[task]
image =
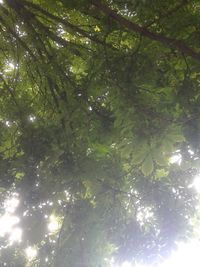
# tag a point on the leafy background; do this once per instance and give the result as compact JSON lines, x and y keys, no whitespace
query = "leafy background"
{"x":96,"y":99}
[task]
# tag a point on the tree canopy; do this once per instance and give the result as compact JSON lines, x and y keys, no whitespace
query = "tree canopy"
{"x":100,"y":129}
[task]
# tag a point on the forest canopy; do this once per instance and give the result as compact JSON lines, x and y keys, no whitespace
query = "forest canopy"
{"x":99,"y":131}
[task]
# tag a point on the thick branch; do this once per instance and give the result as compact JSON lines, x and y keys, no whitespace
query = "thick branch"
{"x":172,"y":43}
{"x":66,"y":23}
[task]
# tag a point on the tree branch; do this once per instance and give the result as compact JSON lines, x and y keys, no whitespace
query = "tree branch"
{"x":169,"y":42}
{"x":66,"y":23}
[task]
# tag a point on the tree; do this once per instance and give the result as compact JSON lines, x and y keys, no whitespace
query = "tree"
{"x":97,"y":98}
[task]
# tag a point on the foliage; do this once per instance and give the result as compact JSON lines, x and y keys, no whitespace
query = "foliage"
{"x":96,"y":97}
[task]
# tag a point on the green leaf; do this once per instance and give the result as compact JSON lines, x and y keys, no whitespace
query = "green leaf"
{"x":161,"y":173}
{"x":126,"y":151}
{"x":147,"y":165}
{"x":2,"y":189}
{"x":161,"y":160}
{"x":176,"y":138}
{"x":140,"y":153}
{"x":158,"y":157}
{"x":175,"y":134}
{"x":19,"y":175}
{"x":100,"y":149}
{"x":195,"y":163}
{"x":167,"y":145}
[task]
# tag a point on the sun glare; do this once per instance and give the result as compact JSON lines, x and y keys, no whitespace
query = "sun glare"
{"x":31,"y":253}
{"x":53,"y":225}
{"x":144,"y":215}
{"x":185,"y":256}
{"x":11,"y":204}
{"x":196,"y":183}
{"x":176,"y":159}
{"x":8,"y":221}
{"x":10,"y":66}
{"x":32,"y":118}
{"x":126,"y":264}
{"x":7,"y":224}
{"x":15,"y":235}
